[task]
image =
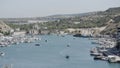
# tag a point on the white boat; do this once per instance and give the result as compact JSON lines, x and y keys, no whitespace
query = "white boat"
{"x":2,"y":53}
{"x":96,"y":54}
{"x":104,"y":58}
{"x":113,"y":58}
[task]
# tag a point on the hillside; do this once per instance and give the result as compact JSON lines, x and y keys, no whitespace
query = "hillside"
{"x":109,"y":18}
{"x":112,"y":26}
{"x":113,"y":22}
{"x":4,"y":28}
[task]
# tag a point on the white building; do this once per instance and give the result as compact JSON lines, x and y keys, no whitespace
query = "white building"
{"x":20,"y":33}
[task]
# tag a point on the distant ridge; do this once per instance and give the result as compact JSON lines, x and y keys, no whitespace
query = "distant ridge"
{"x":116,"y":9}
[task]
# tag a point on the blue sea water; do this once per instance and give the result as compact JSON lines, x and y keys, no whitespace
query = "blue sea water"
{"x":51,"y":54}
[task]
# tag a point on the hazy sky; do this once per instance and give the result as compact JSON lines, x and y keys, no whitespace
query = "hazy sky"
{"x":33,"y":8}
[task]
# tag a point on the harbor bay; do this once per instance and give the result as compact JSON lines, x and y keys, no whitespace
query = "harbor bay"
{"x":52,"y":52}
{"x":59,"y":34}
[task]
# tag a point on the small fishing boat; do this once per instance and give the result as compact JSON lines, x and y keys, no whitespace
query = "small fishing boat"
{"x":45,"y":40}
{"x":68,"y":45}
{"x":37,"y":44}
{"x":98,"y":57}
{"x":2,"y":53}
{"x":67,"y":57}
{"x":96,"y":54}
